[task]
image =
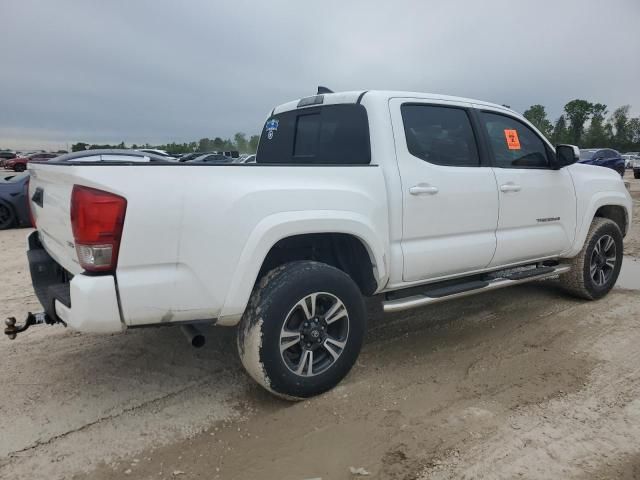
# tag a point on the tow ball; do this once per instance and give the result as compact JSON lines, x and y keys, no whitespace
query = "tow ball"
{"x":12,"y":330}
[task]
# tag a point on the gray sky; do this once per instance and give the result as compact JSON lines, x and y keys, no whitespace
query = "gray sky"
{"x":158,"y":70}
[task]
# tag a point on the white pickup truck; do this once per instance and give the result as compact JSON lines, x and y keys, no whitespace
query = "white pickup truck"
{"x":418,"y":198}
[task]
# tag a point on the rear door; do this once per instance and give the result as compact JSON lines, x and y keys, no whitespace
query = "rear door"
{"x":450,"y":200}
{"x":537,"y":204}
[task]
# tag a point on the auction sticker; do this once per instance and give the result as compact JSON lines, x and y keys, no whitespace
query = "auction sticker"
{"x":513,"y":142}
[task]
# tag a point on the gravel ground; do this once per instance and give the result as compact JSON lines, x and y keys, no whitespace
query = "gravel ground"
{"x":518,"y":383}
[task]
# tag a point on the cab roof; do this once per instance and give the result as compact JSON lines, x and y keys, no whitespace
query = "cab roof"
{"x":359,"y":96}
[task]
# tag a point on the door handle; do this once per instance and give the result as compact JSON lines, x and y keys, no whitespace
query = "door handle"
{"x":510,"y":187}
{"x":423,"y":189}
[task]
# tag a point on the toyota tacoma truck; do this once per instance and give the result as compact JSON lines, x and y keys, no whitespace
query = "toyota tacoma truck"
{"x":417,"y":198}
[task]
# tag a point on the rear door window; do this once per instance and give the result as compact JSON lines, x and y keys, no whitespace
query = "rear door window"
{"x":440,"y":135}
{"x":327,"y":135}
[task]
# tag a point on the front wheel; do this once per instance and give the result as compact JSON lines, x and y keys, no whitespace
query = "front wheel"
{"x":302,"y":330}
{"x":20,"y":167}
{"x":636,"y":174}
{"x":595,"y":269}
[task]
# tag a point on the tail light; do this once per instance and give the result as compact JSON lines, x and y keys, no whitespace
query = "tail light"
{"x":97,"y":218}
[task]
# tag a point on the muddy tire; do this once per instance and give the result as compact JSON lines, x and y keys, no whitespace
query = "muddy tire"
{"x":595,"y":269}
{"x":302,"y":330}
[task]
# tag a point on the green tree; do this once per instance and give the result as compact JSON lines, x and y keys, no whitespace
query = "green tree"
{"x":577,"y":112}
{"x":228,"y":145}
{"x":253,"y":143}
{"x":622,"y":138}
{"x":536,"y":114}
{"x":79,"y":147}
{"x":596,"y":134}
{"x":218,"y":143}
{"x":204,"y":145}
{"x":634,"y":131}
{"x":560,"y":133}
{"x":240,"y":140}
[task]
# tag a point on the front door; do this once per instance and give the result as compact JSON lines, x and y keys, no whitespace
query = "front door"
{"x":450,"y":201}
{"x":537,"y":204}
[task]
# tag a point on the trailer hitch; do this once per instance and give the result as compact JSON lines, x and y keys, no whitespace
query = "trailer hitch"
{"x":12,"y":330}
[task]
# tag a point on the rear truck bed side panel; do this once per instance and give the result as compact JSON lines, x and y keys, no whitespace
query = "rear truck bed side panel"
{"x":194,"y":237}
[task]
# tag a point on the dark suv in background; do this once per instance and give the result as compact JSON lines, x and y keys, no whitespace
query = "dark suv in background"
{"x":603,"y":157}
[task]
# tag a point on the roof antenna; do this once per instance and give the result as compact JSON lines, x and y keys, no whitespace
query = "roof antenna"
{"x":322,"y":90}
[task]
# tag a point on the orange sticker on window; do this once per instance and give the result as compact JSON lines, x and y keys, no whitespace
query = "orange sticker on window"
{"x":513,"y":142}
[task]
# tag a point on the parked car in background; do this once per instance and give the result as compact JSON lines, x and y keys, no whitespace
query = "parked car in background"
{"x":630,"y":158}
{"x":14,"y":208}
{"x":246,"y":159}
{"x":212,"y":158}
{"x":19,"y":164}
{"x":192,"y":156}
{"x":155,"y":151}
{"x":636,"y":168}
{"x":6,"y":155}
{"x":603,"y":157}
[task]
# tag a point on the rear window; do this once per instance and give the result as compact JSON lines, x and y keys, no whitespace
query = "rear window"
{"x":327,"y":135}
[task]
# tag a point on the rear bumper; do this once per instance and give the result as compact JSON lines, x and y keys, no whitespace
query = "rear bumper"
{"x":84,"y":303}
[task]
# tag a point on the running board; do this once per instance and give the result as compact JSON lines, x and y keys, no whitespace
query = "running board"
{"x":429,"y":297}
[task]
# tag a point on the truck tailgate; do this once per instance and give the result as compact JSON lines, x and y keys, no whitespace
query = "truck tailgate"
{"x":50,"y":190}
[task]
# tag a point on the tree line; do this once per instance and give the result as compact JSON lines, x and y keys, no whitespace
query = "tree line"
{"x":587,"y":125}
{"x":240,"y":143}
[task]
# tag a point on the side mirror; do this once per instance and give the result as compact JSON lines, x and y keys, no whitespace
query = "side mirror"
{"x":566,"y":155}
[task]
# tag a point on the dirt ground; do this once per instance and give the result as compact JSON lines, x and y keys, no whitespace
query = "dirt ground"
{"x":518,"y":383}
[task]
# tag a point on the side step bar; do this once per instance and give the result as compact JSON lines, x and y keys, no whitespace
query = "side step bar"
{"x":437,"y":295}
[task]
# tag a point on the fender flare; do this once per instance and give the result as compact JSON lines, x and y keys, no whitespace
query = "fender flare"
{"x":600,"y":199}
{"x":276,"y":227}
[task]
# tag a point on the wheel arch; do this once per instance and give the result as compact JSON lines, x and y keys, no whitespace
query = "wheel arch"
{"x":617,"y":213}
{"x":305,"y":235}
{"x":615,"y":206}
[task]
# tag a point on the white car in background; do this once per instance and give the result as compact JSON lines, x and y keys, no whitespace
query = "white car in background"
{"x":155,"y":151}
{"x":630,"y":158}
{"x":246,"y":159}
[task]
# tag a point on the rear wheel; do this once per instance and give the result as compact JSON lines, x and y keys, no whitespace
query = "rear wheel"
{"x":20,"y":167}
{"x":7,"y":215}
{"x":596,"y":268}
{"x":636,"y":174}
{"x":302,"y":330}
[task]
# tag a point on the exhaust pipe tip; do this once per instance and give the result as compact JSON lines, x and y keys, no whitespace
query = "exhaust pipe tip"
{"x":194,"y":336}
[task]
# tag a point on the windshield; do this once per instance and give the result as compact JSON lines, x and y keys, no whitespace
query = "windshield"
{"x":587,"y":154}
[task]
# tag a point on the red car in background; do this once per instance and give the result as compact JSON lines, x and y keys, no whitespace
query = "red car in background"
{"x":19,"y":164}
